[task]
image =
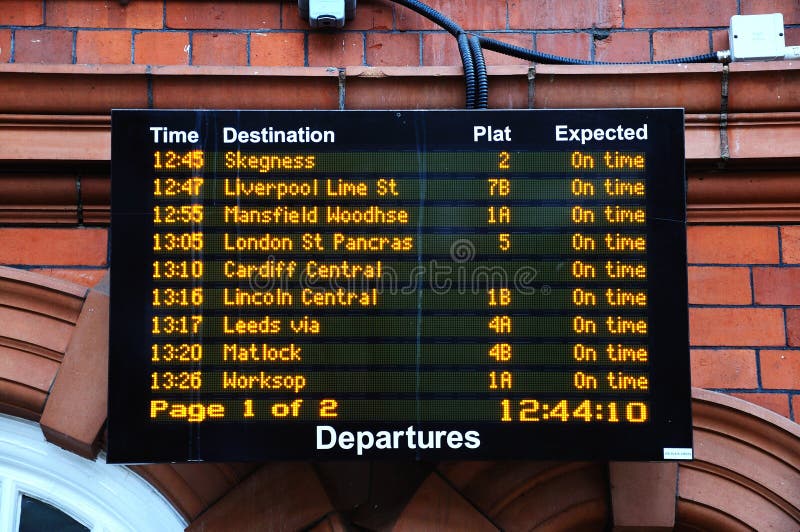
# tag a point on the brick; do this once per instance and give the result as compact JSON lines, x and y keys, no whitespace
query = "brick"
{"x":43,"y":46}
{"x":83,"y":277}
{"x":728,"y":368}
{"x":696,"y":14}
{"x":247,"y":92}
{"x":718,"y":285}
{"x":98,"y":47}
{"x":441,"y":49}
{"x":777,"y":402}
{"x":524,"y":40}
{"x":470,"y":15}
{"x":557,"y":14}
{"x":277,"y":49}
{"x":789,"y":8}
{"x":793,"y":326}
{"x":294,"y":487}
{"x":76,"y":407}
{"x":573,"y":45}
{"x":219,"y":49}
{"x":777,"y":286}
{"x":423,"y":511}
{"x":780,"y":369}
{"x":370,"y":15}
{"x":631,"y":483}
{"x":674,"y":44}
{"x":732,"y":244}
{"x":790,"y":244}
{"x":736,"y":327}
{"x":223,"y":15}
{"x":796,"y":407}
{"x":142,"y":14}
{"x":27,"y":369}
{"x":393,"y":49}
{"x":53,"y":247}
{"x":335,"y":49}
{"x":792,"y":36}
{"x":5,"y":46}
{"x":719,"y":40}
{"x":409,"y":92}
{"x":627,"y":47}
{"x":22,"y":13}
{"x":161,"y":48}
{"x":290,"y":16}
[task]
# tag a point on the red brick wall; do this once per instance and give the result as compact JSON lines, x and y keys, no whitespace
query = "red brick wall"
{"x":77,"y":254}
{"x":270,"y":32}
{"x":744,"y":279}
{"x":744,"y":290}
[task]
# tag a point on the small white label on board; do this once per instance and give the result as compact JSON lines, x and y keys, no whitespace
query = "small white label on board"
{"x":677,"y":453}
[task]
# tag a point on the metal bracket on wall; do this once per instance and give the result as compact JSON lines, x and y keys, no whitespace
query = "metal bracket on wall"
{"x":724,"y":148}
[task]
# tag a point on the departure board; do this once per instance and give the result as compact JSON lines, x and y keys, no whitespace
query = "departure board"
{"x":398,"y":284}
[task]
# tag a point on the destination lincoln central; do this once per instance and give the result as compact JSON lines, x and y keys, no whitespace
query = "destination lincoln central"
{"x":398,"y":284}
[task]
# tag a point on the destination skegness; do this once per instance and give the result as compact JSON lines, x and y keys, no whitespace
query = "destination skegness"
{"x":283,"y":162}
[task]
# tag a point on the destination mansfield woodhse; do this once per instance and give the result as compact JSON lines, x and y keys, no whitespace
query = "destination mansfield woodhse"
{"x":385,"y":284}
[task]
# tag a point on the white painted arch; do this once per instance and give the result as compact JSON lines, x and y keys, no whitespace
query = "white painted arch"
{"x":101,"y":496}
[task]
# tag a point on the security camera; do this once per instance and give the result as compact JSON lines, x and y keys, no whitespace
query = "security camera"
{"x":327,"y":13}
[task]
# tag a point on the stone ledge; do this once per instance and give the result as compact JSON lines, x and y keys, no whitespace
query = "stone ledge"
{"x":60,"y":114}
{"x":82,"y":89}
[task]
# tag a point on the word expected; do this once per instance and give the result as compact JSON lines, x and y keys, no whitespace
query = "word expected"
{"x":564,"y":133}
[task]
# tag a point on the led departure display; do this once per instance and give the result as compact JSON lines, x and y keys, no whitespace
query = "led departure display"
{"x":398,"y":284}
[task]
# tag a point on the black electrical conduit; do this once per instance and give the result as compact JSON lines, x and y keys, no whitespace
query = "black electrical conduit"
{"x":464,"y":46}
{"x":471,"y":52}
{"x":469,"y":68}
{"x":540,"y":57}
{"x":481,"y":79}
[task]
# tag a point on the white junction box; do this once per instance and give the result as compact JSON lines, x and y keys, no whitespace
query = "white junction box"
{"x":757,"y":37}
{"x":327,"y":13}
